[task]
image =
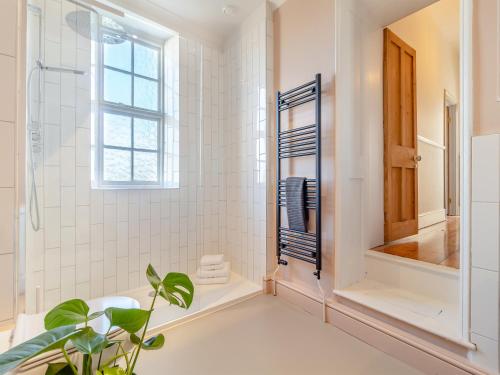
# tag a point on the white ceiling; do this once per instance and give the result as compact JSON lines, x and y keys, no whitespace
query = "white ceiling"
{"x":393,"y":10}
{"x":206,"y":19}
{"x":208,"y":15}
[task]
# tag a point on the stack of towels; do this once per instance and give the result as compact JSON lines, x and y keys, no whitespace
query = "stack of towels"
{"x":213,"y":270}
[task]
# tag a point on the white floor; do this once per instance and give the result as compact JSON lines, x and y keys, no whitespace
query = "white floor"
{"x":265,"y":335}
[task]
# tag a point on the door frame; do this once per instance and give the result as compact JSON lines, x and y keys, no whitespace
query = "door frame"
{"x":348,"y":262}
{"x":448,"y":101}
{"x":465,"y":118}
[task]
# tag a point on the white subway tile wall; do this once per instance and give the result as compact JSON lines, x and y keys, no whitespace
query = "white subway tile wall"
{"x":215,"y":145}
{"x":485,"y":234}
{"x":8,"y":207}
{"x":245,"y":146}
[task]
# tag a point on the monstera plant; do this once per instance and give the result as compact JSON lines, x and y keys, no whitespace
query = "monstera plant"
{"x":68,"y":326}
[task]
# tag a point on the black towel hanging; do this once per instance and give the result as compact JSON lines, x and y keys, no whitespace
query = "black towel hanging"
{"x":296,"y":211}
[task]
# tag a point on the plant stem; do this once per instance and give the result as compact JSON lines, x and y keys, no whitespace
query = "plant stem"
{"x":68,"y":360}
{"x":100,"y":354}
{"x":125,"y":355}
{"x":131,"y":369}
{"x":109,"y":361}
{"x":89,"y":364}
{"x":116,"y":353}
{"x":85,"y":364}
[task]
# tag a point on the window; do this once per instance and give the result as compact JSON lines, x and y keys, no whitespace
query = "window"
{"x":130,"y":125}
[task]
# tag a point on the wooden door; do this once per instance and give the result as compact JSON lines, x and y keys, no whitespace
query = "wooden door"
{"x":400,"y":139}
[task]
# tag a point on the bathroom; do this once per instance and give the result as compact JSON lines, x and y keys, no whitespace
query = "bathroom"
{"x":153,"y":132}
{"x":91,"y":219}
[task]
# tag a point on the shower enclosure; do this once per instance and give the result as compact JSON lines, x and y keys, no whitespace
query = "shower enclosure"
{"x":58,"y":101}
{"x":88,"y":240}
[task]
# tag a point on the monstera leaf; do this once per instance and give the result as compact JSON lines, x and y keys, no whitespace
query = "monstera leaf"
{"x":74,"y":311}
{"x":47,"y":341}
{"x":153,"y":277}
{"x":153,"y":343}
{"x":87,"y":341}
{"x":177,"y":289}
{"x":130,"y":320}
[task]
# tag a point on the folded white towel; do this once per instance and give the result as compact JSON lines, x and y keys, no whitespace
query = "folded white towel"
{"x":212,"y":280}
{"x":212,"y":267}
{"x":207,"y":260}
{"x":224,"y":272}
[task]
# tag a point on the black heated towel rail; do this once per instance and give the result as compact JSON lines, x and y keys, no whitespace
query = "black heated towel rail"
{"x":297,"y":142}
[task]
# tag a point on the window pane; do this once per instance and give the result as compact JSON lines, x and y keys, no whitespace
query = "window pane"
{"x":117,"y":87}
{"x":145,"y":61}
{"x":116,"y":165}
{"x":118,"y":55}
{"x":145,"y":94}
{"x":145,"y":166}
{"x":145,"y":134}
{"x":117,"y":130}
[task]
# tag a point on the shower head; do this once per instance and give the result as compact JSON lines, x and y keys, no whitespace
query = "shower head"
{"x":59,"y":69}
{"x":84,"y":23}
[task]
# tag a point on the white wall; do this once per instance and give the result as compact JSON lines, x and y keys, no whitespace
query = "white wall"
{"x":359,"y":140}
{"x":8,"y":187}
{"x":245,"y":144}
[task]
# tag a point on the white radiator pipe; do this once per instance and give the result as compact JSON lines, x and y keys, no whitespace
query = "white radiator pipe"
{"x":323,"y":297}
{"x":274,"y":279}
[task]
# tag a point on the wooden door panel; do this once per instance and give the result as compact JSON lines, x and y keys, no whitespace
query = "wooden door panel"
{"x":402,"y":157}
{"x":400,"y":139}
{"x":394,"y":88}
{"x":408,"y":117}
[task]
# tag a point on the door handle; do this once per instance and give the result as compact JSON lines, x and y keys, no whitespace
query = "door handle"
{"x":416,"y":159}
